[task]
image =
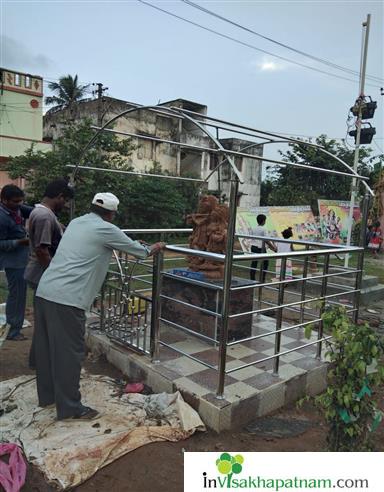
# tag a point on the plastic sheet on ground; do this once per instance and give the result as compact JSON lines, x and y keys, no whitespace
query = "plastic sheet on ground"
{"x":71,"y":451}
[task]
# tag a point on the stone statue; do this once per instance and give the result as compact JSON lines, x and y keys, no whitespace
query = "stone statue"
{"x":210,"y":225}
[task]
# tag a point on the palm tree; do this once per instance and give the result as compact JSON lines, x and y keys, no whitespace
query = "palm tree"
{"x":66,"y":92}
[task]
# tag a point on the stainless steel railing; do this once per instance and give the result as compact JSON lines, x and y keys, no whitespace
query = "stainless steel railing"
{"x":141,"y":329}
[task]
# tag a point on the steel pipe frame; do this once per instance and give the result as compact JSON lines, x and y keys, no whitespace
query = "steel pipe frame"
{"x":294,"y":280}
{"x":156,"y":306}
{"x":229,"y":257}
{"x":293,"y":241}
{"x":289,"y":140}
{"x":271,"y":333}
{"x":227,"y":284}
{"x":169,"y":112}
{"x":322,"y":308}
{"x":256,"y":256}
{"x":279,"y":317}
{"x":296,"y":303}
{"x":217,"y":151}
{"x":134,"y":173}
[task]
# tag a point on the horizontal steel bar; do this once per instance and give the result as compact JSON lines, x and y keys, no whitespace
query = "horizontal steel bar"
{"x":134,"y":173}
{"x":277,"y":355}
{"x":196,"y":252}
{"x":188,"y":330}
{"x":294,"y":280}
{"x":292,"y":309}
{"x":293,"y":140}
{"x":155,"y":231}
{"x":198,"y":308}
{"x":187,"y":355}
{"x":160,"y":140}
{"x":271,"y":333}
{"x":290,"y":254}
{"x":290,"y":241}
{"x":296,"y":303}
{"x":145,"y":282}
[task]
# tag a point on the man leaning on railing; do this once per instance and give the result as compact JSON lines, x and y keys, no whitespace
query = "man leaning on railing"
{"x":65,"y":292}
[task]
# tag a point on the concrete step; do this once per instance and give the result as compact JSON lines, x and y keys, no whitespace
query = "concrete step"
{"x":372,"y":294}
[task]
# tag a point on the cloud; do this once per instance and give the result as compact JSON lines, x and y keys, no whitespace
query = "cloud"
{"x":17,"y":56}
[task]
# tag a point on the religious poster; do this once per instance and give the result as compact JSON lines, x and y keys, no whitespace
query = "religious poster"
{"x":334,"y":220}
{"x":300,"y":218}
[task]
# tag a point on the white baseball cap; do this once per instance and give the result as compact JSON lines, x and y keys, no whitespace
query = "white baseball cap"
{"x":106,"y":200}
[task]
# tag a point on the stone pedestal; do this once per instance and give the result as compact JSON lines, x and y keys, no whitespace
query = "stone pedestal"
{"x":207,"y":297}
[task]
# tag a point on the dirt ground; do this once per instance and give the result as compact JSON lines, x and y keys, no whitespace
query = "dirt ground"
{"x":159,"y":466}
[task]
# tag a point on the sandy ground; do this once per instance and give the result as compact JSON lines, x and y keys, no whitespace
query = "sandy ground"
{"x":159,"y":466}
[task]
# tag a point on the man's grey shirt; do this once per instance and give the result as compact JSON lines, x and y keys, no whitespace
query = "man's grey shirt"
{"x":44,"y":230}
{"x":78,"y":269}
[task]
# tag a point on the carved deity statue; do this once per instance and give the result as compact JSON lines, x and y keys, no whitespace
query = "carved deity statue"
{"x":210,"y":225}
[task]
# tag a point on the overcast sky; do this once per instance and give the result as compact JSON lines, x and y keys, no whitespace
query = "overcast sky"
{"x":146,"y":56}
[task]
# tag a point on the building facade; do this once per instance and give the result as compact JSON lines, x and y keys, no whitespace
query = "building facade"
{"x":21,"y":117}
{"x":178,"y":160}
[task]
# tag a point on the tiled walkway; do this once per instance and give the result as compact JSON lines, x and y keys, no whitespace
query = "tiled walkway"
{"x":238,"y":384}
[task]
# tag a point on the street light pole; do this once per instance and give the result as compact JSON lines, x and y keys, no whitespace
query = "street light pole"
{"x":354,"y":187}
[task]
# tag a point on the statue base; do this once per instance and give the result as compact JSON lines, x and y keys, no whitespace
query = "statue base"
{"x":207,"y":297}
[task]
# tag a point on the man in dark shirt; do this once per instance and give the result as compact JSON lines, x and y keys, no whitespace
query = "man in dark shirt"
{"x":45,"y":233}
{"x":44,"y":229}
{"x":14,"y":255}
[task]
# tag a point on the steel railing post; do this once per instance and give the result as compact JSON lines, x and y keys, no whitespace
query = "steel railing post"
{"x":158,"y":261}
{"x":322,"y":307}
{"x":279,"y":315}
{"x":227,"y":284}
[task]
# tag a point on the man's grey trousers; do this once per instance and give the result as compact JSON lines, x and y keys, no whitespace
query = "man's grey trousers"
{"x":59,"y":352}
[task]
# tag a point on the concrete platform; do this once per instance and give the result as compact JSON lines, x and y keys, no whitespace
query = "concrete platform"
{"x":250,"y":392}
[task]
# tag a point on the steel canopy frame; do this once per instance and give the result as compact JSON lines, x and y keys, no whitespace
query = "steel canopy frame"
{"x":235,"y":178}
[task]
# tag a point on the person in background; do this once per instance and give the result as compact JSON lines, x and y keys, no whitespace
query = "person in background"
{"x":258,"y":246}
{"x":284,"y":248}
{"x":14,"y":256}
{"x":45,"y":233}
{"x":375,"y":240}
{"x":65,"y":292}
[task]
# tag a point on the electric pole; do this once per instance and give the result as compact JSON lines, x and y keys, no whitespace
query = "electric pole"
{"x":99,"y":93}
{"x":360,"y":100}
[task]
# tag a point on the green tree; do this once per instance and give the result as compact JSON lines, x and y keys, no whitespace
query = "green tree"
{"x":145,"y":202}
{"x":67,"y":92}
{"x":294,"y":186}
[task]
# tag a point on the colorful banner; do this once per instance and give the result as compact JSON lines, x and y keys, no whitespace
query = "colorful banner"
{"x":300,"y":218}
{"x":334,"y":220}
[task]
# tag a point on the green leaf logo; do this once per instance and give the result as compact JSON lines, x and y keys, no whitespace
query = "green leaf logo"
{"x":229,"y":465}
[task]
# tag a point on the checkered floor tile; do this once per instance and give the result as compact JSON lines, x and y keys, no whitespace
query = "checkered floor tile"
{"x":248,"y":378}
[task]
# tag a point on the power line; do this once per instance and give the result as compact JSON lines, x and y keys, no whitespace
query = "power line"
{"x":249,"y":45}
{"x":295,"y":50}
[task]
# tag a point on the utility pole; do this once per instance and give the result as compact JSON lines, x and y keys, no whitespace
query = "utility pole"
{"x":99,"y":92}
{"x":354,"y":187}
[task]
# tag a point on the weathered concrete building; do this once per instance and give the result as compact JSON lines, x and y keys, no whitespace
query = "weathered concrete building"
{"x":21,"y":117}
{"x":177,"y":160}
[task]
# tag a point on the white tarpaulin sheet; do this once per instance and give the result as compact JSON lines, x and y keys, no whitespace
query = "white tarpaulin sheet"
{"x":71,"y":451}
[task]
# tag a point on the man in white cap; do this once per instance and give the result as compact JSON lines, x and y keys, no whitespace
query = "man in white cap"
{"x":65,"y":292}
